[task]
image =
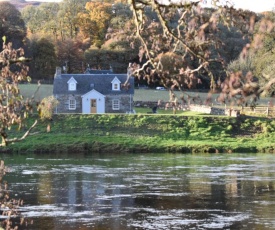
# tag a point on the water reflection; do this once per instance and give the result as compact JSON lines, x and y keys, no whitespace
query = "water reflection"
{"x":152,"y":191}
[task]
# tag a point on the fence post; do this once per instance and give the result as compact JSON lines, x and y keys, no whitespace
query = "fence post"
{"x":2,"y":172}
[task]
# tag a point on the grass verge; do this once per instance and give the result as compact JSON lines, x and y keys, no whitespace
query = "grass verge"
{"x":139,"y":133}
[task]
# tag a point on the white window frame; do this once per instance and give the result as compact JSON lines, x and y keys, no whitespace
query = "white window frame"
{"x":116,"y":104}
{"x":116,"y":84}
{"x":72,"y":86}
{"x":72,"y":104}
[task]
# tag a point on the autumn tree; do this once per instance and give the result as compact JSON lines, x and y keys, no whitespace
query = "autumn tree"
{"x":185,"y":42}
{"x":42,"y":19}
{"x":70,"y":55}
{"x":115,"y":50}
{"x":255,"y":64}
{"x":12,"y":25}
{"x":263,"y":53}
{"x":44,"y":59}
{"x":120,"y":27}
{"x":13,"y":108}
{"x":95,"y":22}
{"x":55,"y":20}
{"x":29,"y":14}
{"x":68,"y":17}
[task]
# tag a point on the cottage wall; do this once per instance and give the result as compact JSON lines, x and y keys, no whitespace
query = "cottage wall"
{"x":126,"y":103}
{"x":63,"y":106}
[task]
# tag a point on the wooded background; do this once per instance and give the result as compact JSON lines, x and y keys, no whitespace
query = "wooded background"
{"x":77,"y":34}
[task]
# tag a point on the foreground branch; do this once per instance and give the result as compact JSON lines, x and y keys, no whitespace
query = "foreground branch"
{"x":7,"y":141}
{"x":15,"y":60}
{"x":266,"y":87}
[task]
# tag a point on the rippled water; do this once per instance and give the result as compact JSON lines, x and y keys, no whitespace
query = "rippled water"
{"x":150,"y":191}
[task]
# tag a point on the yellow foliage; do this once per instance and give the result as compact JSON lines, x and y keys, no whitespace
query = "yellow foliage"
{"x":46,"y":107}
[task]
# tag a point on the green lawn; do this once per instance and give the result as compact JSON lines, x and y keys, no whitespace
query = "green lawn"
{"x":28,"y":91}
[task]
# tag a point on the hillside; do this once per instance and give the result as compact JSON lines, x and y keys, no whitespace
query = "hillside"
{"x":143,"y":133}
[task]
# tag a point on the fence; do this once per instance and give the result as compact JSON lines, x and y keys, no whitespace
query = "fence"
{"x":257,"y":111}
{"x":260,"y":110}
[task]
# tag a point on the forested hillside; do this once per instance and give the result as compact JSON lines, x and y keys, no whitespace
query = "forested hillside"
{"x":77,"y":34}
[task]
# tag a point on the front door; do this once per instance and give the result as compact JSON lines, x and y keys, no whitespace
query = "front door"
{"x":93,"y":105}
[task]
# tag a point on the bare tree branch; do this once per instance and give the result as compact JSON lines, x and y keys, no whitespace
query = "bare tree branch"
{"x":12,"y":140}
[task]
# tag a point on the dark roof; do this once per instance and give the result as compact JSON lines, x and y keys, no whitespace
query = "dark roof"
{"x":87,"y":82}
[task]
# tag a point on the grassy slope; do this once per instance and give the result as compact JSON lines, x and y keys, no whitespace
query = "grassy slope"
{"x":150,"y":133}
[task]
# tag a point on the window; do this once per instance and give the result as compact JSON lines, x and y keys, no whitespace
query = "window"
{"x":72,"y":86}
{"x":116,"y":104}
{"x":116,"y":87}
{"x":116,"y":84}
{"x":72,"y":104}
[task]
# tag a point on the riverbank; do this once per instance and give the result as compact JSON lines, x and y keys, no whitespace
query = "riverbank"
{"x":141,"y":133}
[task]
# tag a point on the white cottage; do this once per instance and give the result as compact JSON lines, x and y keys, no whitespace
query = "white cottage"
{"x":99,"y":92}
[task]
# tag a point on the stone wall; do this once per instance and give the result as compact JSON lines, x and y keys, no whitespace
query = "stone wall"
{"x":63,"y":106}
{"x":200,"y":109}
{"x":208,"y":109}
{"x":192,"y":107}
{"x":145,"y":104}
{"x":126,"y":104}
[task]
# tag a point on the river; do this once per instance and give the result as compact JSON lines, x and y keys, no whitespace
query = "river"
{"x":144,"y":191}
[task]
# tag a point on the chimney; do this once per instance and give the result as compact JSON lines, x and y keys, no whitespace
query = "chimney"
{"x":57,"y":72}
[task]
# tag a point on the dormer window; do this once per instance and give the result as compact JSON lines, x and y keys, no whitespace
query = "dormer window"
{"x":72,"y":84}
{"x":116,"y":84}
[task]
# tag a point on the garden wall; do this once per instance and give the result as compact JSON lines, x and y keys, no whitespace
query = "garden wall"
{"x":191,"y":107}
{"x":214,"y":110}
